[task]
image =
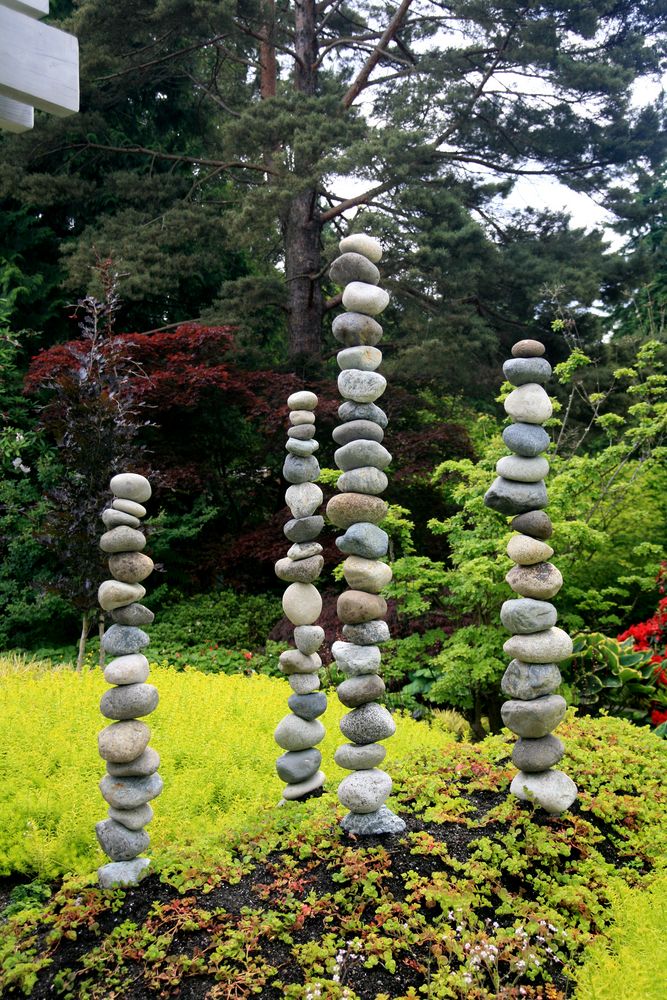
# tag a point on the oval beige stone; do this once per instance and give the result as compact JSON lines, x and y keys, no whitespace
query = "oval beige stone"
{"x":368,"y":246}
{"x":349,"y":508}
{"x":122,"y":539}
{"x":114,"y":594}
{"x":122,"y":742}
{"x":130,"y":669}
{"x":550,"y":646}
{"x":292,"y":661}
{"x":370,"y":575}
{"x":130,"y":486}
{"x":129,"y":507}
{"x":355,"y":607}
{"x":299,"y":417}
{"x":541,"y":581}
{"x":302,"y":603}
{"x":302,"y":400}
{"x":130,"y":567}
{"x":529,"y":404}
{"x":527,"y":551}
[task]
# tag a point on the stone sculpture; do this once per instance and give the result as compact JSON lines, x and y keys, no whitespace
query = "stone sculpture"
{"x":358,"y":510}
{"x":299,"y":733}
{"x":131,"y":781}
{"x":537,"y":644}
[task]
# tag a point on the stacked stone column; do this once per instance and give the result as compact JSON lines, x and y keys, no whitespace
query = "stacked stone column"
{"x":131,"y":780}
{"x":300,"y":732}
{"x":358,"y":510}
{"x":537,"y":645}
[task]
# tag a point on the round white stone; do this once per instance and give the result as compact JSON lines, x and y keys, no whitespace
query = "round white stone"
{"x":554,"y":791}
{"x":304,"y":683}
{"x":365,"y":791}
{"x":302,"y":603}
{"x":303,"y":400}
{"x":303,"y":499}
{"x":367,"y":299}
{"x":361,"y":387}
{"x":130,"y":669}
{"x":365,"y":359}
{"x":293,"y":733}
{"x":522,"y":470}
{"x":129,"y":507}
{"x":529,"y":404}
{"x":370,"y":575}
{"x":113,"y":594}
{"x":130,"y":486}
{"x":368,"y":246}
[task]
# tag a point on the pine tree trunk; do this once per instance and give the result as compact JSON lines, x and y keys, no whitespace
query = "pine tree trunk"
{"x":85,"y":625}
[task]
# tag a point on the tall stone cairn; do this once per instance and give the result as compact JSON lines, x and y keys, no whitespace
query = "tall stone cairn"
{"x":131,"y":780}
{"x":537,"y":645}
{"x":358,"y":510}
{"x":299,"y":733}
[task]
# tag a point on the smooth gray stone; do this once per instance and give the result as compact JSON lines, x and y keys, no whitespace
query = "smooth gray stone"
{"x":528,"y":440}
{"x":541,"y":581}
{"x":303,"y":499}
{"x":308,"y":706}
{"x":302,"y":449}
{"x":112,"y":594}
{"x":360,"y":387}
{"x":354,"y":329}
{"x":537,"y":755}
{"x":522,"y":470}
{"x":535,"y":523}
{"x":130,"y":701}
{"x":353,"y":267}
{"x":368,"y":724}
{"x":304,"y":529}
{"x":356,"y":660}
{"x":123,"y":873}
{"x":367,"y":633}
{"x":118,"y":842}
{"x":360,"y":297}
{"x":308,"y":638}
{"x":122,"y":539}
{"x":128,"y":793}
{"x":533,"y":719}
{"x":113,"y":518}
{"x":127,"y":670}
{"x":302,"y":399}
{"x":526,"y":681}
{"x":362,"y":243}
{"x":122,"y":742}
{"x":360,"y":690}
{"x":293,"y":661}
{"x":348,"y":411}
{"x":509,"y":497}
{"x":303,"y":788}
{"x":375,"y":824}
{"x":298,"y":418}
{"x":550,"y":646}
{"x":362,"y":453}
{"x":133,"y":614}
{"x":368,"y":480}
{"x":303,"y":550}
{"x":364,"y":539}
{"x":146,"y":763}
{"x":293,"y":733}
{"x":357,"y":430}
{"x":122,"y":640}
{"x":528,"y":404}
{"x":133,"y":819}
{"x":527,"y":615}
{"x":131,"y":486}
{"x":129,"y":507}
{"x":295,"y":766}
{"x":519,"y":371}
{"x":365,"y":791}
{"x":304,"y":683}
{"x":364,"y":359}
{"x":355,"y":758}
{"x":300,"y":570}
{"x":302,"y":432}
{"x":301,"y":470}
{"x":553,"y":791}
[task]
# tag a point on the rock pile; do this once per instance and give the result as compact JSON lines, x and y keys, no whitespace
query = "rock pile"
{"x":131,"y":780}
{"x":358,"y":510}
{"x":537,"y":645}
{"x":299,"y":733}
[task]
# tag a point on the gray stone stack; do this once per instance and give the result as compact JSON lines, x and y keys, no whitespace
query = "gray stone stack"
{"x":358,"y":510}
{"x":131,"y":780}
{"x":299,"y":733}
{"x":537,"y":645}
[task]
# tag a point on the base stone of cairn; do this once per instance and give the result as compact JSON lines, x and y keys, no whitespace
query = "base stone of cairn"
{"x":299,"y":733}
{"x":537,"y":645}
{"x":358,"y":510}
{"x":131,"y":781}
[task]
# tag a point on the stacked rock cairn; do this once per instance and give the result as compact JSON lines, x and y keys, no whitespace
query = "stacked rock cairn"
{"x":131,"y":780}
{"x":358,"y":509}
{"x":299,"y":733}
{"x":537,"y":645}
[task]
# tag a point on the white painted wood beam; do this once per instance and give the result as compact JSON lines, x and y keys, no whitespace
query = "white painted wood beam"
{"x":15,"y":116}
{"x":33,"y":8}
{"x":39,"y":64}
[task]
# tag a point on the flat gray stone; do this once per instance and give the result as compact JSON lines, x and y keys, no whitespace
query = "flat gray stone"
{"x":371,"y":575}
{"x":537,"y":755}
{"x":367,"y":633}
{"x":365,"y":791}
{"x":118,"y":842}
{"x":295,"y":766}
{"x":129,"y":507}
{"x":303,"y":788}
{"x":146,"y":763}
{"x":133,"y":614}
{"x":131,"y":669}
{"x":360,"y":690}
{"x":303,"y":550}
{"x":122,"y":539}
{"x":304,"y":683}
{"x":533,"y":522}
{"x":365,"y":540}
{"x":133,"y":819}
{"x":363,"y":411}
{"x":301,"y":470}
{"x":360,"y":387}
{"x":376,"y":824}
{"x":130,"y":701}
{"x":300,"y":570}
{"x":527,"y":440}
{"x":113,"y":518}
{"x":367,"y":480}
{"x":304,"y":529}
{"x":359,"y":454}
{"x":368,"y":724}
{"x":308,"y":638}
{"x":536,"y":718}
{"x":303,"y":499}
{"x":354,"y":329}
{"x":355,"y":660}
{"x":308,"y":706}
{"x":509,"y":497}
{"x":303,"y":399}
{"x":353,"y":267}
{"x":553,"y":791}
{"x":131,"y":486}
{"x":293,"y":661}
{"x":529,"y":404}
{"x":363,"y":244}
{"x":123,"y":873}
{"x":302,"y":449}
{"x":122,"y":742}
{"x":550,"y":646}
{"x":519,"y":371}
{"x":363,"y":358}
{"x":302,"y":432}
{"x":360,"y":297}
{"x":525,"y":615}
{"x":357,"y":430}
{"x":128,"y":793}
{"x":113,"y":594}
{"x":526,"y":681}
{"x":355,"y":758}
{"x":541,"y":581}
{"x":293,"y":733}
{"x":522,"y":470}
{"x":123,"y":640}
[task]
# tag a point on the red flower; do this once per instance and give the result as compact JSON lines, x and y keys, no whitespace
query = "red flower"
{"x":247,"y":656}
{"x":658,"y":716}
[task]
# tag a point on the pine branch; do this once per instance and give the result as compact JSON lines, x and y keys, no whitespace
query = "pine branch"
{"x":377,"y":54}
{"x":173,"y":157}
{"x":361,"y":199}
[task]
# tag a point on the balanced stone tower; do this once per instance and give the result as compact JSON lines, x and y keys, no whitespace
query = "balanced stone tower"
{"x":131,"y":780}
{"x":537,"y":645}
{"x":300,"y":732}
{"x":358,"y":510}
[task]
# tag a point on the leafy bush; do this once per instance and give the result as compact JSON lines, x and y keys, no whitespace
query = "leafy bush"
{"x":605,"y":674}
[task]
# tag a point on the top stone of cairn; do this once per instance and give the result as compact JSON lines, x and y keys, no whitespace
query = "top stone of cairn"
{"x":528,"y":349}
{"x":130,"y":486}
{"x":303,"y":400}
{"x":365,"y":245}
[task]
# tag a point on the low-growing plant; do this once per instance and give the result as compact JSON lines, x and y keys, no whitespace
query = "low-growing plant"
{"x":603,"y":674}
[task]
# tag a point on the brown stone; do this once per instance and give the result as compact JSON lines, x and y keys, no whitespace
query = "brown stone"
{"x":528,"y":349}
{"x":130,"y":567}
{"x":541,"y":581}
{"x":355,"y":607}
{"x":350,"y":508}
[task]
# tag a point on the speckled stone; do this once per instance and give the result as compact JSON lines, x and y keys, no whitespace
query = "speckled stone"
{"x":519,"y":371}
{"x":301,"y":470}
{"x":527,"y":551}
{"x":527,"y":681}
{"x":130,"y":567}
{"x":359,"y":454}
{"x":302,"y":400}
{"x":302,"y":449}
{"x":527,"y":440}
{"x":526,"y":615}
{"x":122,"y":539}
{"x":509,"y":497}
{"x":131,"y":669}
{"x":293,"y":661}
{"x":537,"y":755}
{"x":365,"y":540}
{"x":303,"y":550}
{"x":303,"y":788}
{"x":123,"y":741}
{"x":308,"y":638}
{"x":363,"y":411}
{"x":368,"y":724}
{"x":133,"y":614}
{"x":541,"y":581}
{"x":302,"y":603}
{"x":304,"y":683}
{"x":364,"y":358}
{"x":113,"y":518}
{"x":130,"y":486}
{"x":359,"y":297}
{"x":363,"y":244}
{"x":366,"y":480}
{"x":550,"y":646}
{"x":361,"y":387}
{"x":553,"y":791}
{"x":130,"y":701}
{"x":303,"y":499}
{"x":355,"y":330}
{"x":308,"y":706}
{"x":129,"y":507}
{"x":367,"y":633}
{"x":528,"y":349}
{"x":133,"y":819}
{"x":355,"y":660}
{"x":128,"y":793}
{"x":303,"y":529}
{"x":300,"y":570}
{"x":536,"y":718}
{"x":298,"y":765}
{"x":293,"y":733}
{"x":376,"y":824}
{"x":370,"y":575}
{"x":355,"y":606}
{"x":529,"y":404}
{"x":146,"y":763}
{"x":365,"y":791}
{"x":354,"y":758}
{"x":123,"y":640}
{"x":349,"y":508}
{"x":357,"y":430}
{"x":353,"y":267}
{"x":360,"y":690}
{"x":123,"y":873}
{"x":535,"y":523}
{"x":522,"y":470}
{"x":114,"y":594}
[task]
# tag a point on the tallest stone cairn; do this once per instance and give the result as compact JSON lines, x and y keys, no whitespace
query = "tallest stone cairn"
{"x":537,"y":645}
